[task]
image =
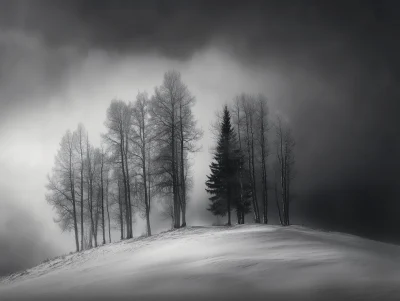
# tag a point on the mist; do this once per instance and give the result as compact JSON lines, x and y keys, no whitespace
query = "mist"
{"x":333,"y":75}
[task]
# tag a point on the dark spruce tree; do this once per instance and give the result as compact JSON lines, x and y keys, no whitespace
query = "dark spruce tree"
{"x":225,"y":183}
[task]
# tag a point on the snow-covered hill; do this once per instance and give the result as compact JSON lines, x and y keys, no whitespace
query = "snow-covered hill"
{"x":253,"y":262}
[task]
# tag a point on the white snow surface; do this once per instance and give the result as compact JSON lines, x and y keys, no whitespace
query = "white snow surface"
{"x":247,"y":262}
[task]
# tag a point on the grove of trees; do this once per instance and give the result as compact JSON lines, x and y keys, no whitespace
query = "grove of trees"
{"x":240,"y":162}
{"x":144,"y":155}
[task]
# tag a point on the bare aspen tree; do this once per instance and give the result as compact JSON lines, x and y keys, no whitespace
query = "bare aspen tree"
{"x":249,"y":111}
{"x":61,"y":186}
{"x":150,"y":189}
{"x":102,"y":170}
{"x":107,"y":195}
{"x":69,"y":144}
{"x":97,"y":193}
{"x":90,"y":178}
{"x":262,"y":125}
{"x":165,"y":107}
{"x":117,"y":123}
{"x":285,"y":146}
{"x":189,"y":134}
{"x":98,"y":205}
{"x":140,"y":139}
{"x":80,"y":140}
{"x":238,"y":121}
{"x":127,"y":116}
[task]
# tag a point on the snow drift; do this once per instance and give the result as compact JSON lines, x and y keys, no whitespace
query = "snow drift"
{"x":250,"y":262}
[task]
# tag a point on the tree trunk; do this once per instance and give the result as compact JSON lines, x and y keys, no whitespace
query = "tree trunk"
{"x":90,"y":191}
{"x":73,"y":201}
{"x":125,"y":186}
{"x":82,"y":188}
{"x":265,"y":187}
{"x":277,"y":203}
{"x":183,"y":214}
{"x":256,"y":208}
{"x":128,"y":184}
{"x":149,"y":187}
{"x":96,"y":221}
{"x":240,"y":213}
{"x":82,"y":245}
{"x":102,"y":202}
{"x":229,"y":184}
{"x":253,"y":197}
{"x":90,"y":211}
{"x":183,"y":180}
{"x":285,"y":190}
{"x":265,"y":196}
{"x":180,"y":197}
{"x":283,"y":185}
{"x":229,"y":207}
{"x":264,"y":167}
{"x":287,"y":194}
{"x":146,"y":196}
{"x":75,"y":223}
{"x":149,"y":181}
{"x":108,"y":211}
{"x":144,"y":170}
{"x":173,"y":169}
{"x":91,"y":237}
{"x":120,"y":210}
{"x":178,"y":181}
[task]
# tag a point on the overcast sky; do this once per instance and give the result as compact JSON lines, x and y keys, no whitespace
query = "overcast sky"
{"x":332,"y":70}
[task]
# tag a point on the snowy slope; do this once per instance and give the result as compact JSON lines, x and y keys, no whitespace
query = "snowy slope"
{"x":253,"y":262}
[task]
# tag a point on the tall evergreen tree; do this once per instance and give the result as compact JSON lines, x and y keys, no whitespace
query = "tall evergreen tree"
{"x":223,"y":181}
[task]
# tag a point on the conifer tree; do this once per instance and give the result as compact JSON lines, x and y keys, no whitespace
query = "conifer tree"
{"x":223,"y":181}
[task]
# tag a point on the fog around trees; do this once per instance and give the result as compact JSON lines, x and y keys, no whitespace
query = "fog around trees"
{"x":145,"y":160}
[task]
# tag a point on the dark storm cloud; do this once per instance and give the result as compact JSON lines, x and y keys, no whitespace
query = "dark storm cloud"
{"x":340,"y":61}
{"x":321,"y":37}
{"x":179,"y":28}
{"x":310,"y":34}
{"x":175,"y":28}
